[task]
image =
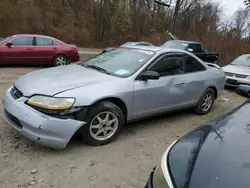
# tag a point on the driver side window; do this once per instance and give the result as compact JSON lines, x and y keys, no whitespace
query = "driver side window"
{"x":169,"y":65}
{"x":23,"y":41}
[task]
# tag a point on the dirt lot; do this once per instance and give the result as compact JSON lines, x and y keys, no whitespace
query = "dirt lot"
{"x":125,"y":163}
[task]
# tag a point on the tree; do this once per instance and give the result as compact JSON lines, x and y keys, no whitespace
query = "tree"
{"x":240,"y":20}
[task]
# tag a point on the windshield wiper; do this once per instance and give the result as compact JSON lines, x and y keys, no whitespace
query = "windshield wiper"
{"x":97,"y":68}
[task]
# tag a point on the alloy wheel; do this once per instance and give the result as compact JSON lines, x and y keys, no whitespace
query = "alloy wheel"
{"x":60,"y":61}
{"x":103,"y":126}
{"x":207,"y":102}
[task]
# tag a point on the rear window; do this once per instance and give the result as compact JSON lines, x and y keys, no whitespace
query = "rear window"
{"x":196,"y":48}
{"x":41,"y":41}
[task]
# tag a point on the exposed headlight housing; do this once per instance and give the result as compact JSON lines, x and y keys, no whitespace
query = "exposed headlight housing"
{"x":51,"y":103}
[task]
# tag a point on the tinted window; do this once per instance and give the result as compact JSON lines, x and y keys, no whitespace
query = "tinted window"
{"x":195,"y":48}
{"x":44,"y":42}
{"x":192,"y":65}
{"x":169,"y":65}
{"x":23,"y":41}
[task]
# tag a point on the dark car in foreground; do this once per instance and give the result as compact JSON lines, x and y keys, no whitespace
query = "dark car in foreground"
{"x":32,"y":49}
{"x":214,"y":155}
{"x":193,"y":47}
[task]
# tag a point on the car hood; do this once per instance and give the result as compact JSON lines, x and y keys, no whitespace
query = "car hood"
{"x":52,"y":81}
{"x":237,"y":69}
{"x":224,"y":157}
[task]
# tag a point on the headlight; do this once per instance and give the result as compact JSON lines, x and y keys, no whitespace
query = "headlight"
{"x":51,"y":103}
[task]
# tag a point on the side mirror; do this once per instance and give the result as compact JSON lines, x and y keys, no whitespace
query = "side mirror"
{"x":150,"y":75}
{"x":243,"y":90}
{"x":9,"y":44}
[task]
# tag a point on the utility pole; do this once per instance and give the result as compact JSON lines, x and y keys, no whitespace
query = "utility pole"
{"x":175,"y":16}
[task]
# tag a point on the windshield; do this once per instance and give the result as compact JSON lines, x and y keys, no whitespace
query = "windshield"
{"x":175,"y":45}
{"x":4,"y":38}
{"x":243,"y":60}
{"x":121,"y":62}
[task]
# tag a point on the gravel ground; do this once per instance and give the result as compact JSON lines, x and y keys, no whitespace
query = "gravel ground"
{"x":125,"y":163}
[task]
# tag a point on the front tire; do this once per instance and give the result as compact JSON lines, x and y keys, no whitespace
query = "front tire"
{"x":104,"y":123}
{"x":206,"y":102}
{"x":60,"y":60}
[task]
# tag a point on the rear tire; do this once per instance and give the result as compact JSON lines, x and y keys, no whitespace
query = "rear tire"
{"x":206,"y":102}
{"x":60,"y":60}
{"x":104,"y":123}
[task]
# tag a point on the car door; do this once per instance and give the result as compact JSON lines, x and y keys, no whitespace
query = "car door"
{"x":195,"y":80}
{"x":45,"y":49}
{"x":20,"y":51}
{"x":156,"y":96}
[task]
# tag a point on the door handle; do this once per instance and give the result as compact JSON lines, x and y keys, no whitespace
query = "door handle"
{"x":29,"y":48}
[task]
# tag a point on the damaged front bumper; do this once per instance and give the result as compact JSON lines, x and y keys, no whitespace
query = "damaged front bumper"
{"x":36,"y":126}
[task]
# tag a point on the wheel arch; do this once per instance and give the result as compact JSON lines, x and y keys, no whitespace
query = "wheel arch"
{"x":115,"y":100}
{"x":215,"y":91}
{"x":118,"y":102}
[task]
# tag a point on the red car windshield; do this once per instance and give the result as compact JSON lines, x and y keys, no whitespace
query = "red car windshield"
{"x":3,"y":39}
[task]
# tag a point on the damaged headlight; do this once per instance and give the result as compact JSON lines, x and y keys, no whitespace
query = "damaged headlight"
{"x":51,"y":103}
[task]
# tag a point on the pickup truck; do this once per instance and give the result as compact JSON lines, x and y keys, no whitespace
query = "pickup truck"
{"x":193,"y":47}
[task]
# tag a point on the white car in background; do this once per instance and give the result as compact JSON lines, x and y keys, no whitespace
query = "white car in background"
{"x":238,"y":72}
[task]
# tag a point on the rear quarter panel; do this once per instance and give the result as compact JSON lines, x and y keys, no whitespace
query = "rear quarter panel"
{"x":216,"y":78}
{"x":68,"y":52}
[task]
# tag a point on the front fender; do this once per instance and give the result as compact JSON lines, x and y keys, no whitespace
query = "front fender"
{"x":88,"y":95}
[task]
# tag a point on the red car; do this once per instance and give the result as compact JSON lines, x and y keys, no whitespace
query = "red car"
{"x":36,"y":49}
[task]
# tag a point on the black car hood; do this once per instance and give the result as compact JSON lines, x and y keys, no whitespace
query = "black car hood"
{"x":224,"y":157}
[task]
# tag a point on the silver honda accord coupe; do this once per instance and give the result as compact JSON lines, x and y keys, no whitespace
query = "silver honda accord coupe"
{"x":96,"y":98}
